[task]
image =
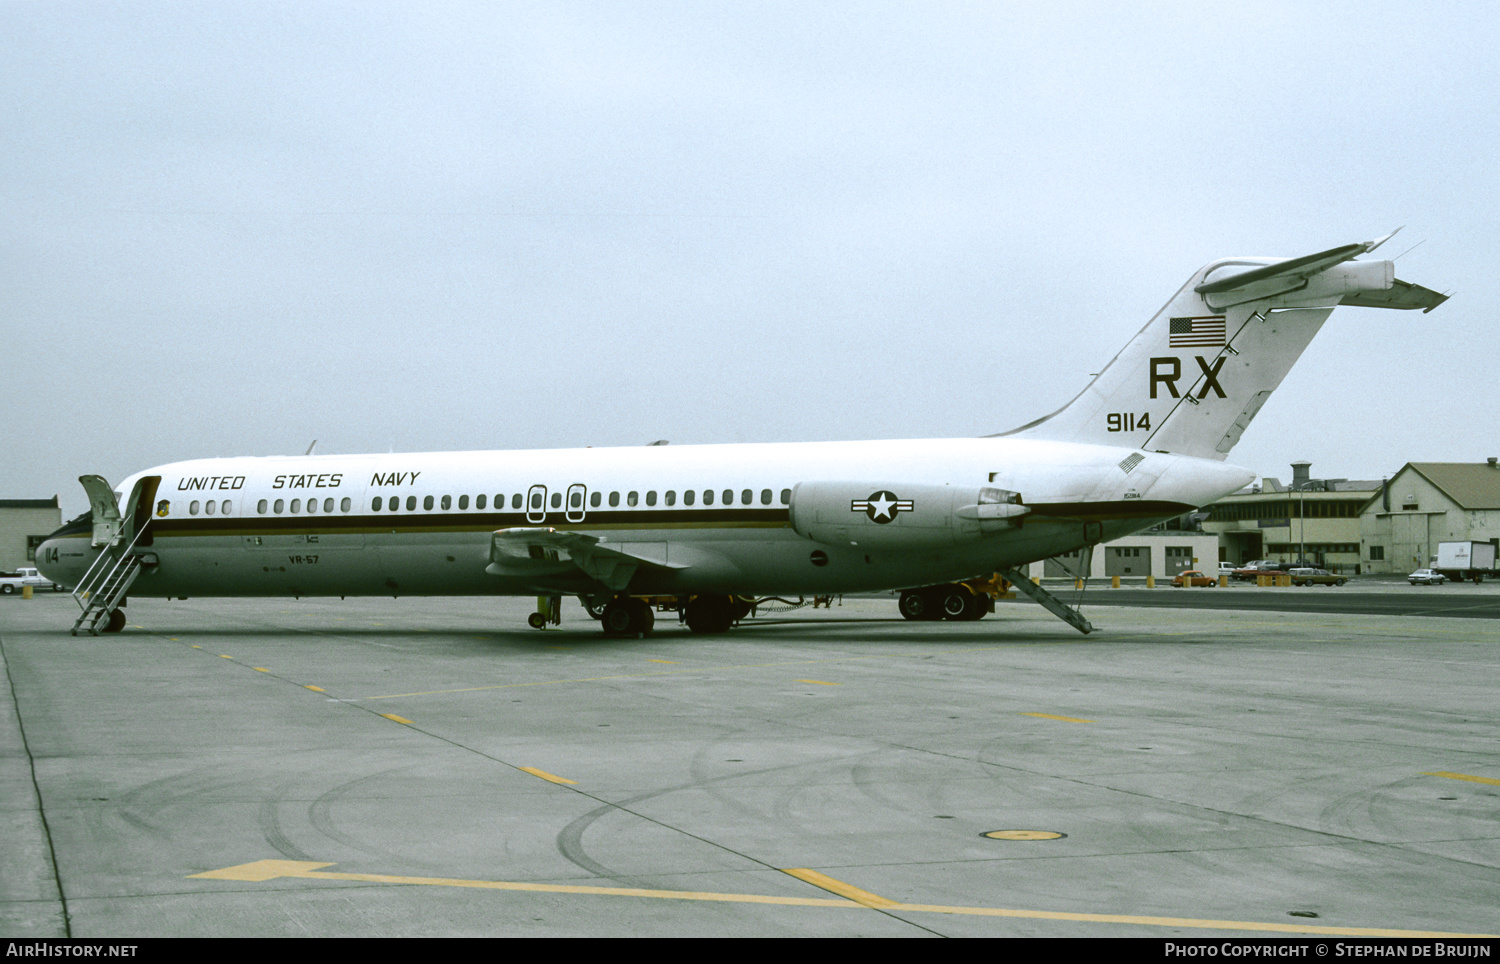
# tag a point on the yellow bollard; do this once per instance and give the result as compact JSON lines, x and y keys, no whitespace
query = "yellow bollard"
{"x":1150,"y":582}
{"x":25,"y":592}
{"x":1114,"y":582}
{"x":1223,"y":582}
{"x":1264,"y":579}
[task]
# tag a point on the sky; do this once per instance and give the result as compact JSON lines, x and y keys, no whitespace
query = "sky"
{"x":231,"y":229}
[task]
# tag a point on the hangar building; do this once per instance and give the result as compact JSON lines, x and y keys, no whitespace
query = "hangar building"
{"x":1426,"y":503}
{"x":24,"y":523}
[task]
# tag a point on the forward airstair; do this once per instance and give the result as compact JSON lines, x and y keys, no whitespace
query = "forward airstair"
{"x":101,"y":591}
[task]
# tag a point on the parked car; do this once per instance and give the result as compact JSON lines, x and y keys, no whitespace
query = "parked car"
{"x":1193,"y":577}
{"x":14,"y":581}
{"x":1250,"y":571}
{"x":1426,"y":577}
{"x":1315,"y":577}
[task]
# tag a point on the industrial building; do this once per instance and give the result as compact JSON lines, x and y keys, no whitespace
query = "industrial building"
{"x":1427,"y":503}
{"x":24,"y":523}
{"x":1317,"y":520}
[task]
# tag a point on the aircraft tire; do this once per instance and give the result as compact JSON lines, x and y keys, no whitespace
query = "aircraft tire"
{"x":710,"y":615}
{"x":536,"y":621}
{"x":922,"y":605}
{"x":116,"y":622}
{"x":617,"y":619}
{"x":642,"y":617}
{"x":955,"y":602}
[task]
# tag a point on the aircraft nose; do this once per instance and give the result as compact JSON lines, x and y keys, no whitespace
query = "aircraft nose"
{"x":66,"y":554}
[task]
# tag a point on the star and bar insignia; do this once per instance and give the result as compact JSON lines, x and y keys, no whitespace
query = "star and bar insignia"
{"x":881,"y":507}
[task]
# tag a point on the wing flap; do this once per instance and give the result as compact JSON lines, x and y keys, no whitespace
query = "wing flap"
{"x":542,"y":551}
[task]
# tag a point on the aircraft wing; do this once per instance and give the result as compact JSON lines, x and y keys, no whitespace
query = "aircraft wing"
{"x":544,"y":551}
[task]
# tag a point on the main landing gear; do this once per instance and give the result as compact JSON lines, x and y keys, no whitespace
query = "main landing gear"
{"x":624,"y":616}
{"x":955,"y":601}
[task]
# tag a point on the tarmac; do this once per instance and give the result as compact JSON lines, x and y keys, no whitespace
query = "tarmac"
{"x":433,"y":767}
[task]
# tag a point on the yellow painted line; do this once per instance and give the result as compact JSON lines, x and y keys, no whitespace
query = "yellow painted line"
{"x":315,"y":689}
{"x":197,"y":647}
{"x":1065,"y":719}
{"x":819,"y":682}
{"x":1464,"y":776}
{"x":223,"y":656}
{"x":671,"y":661}
{"x":862,"y":897}
{"x":260,"y":669}
{"x":549,"y":777}
{"x":398,"y":719}
{"x":264,"y":870}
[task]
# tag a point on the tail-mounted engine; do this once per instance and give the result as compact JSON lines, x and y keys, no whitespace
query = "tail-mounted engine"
{"x":901,"y":515}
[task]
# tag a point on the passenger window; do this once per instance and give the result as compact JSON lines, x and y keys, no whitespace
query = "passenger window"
{"x":447,"y":502}
{"x":575,"y":500}
{"x":595,"y":499}
{"x":224,"y":507}
{"x":427,"y":503}
{"x":515,"y":501}
{"x":536,"y":500}
{"x":296,"y":506}
{"x":376,"y":504}
{"x":651,"y":497}
{"x":193,"y":507}
{"x":688,"y":497}
{"x":728,"y":497}
{"x":312,"y":505}
{"x":463,"y":502}
{"x":708,"y":496}
{"x":411,"y":503}
{"x":631,"y":498}
{"x":747,"y":497}
{"x":786,"y":496}
{"x":346,"y":505}
{"x":557,"y":500}
{"x":671,"y":497}
{"x":327,"y":505}
{"x":208,"y":507}
{"x":280,"y":504}
{"x":479,"y":501}
{"x":261,"y":506}
{"x":765,"y":496}
{"x":614,"y":499}
{"x":395,"y":503}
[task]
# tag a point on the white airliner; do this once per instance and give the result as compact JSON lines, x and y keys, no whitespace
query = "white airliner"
{"x":713,"y":524}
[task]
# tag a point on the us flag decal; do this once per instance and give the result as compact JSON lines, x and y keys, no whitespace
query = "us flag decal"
{"x":1202,"y":331}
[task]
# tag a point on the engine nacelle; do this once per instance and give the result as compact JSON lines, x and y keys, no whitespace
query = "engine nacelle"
{"x":895,"y":515}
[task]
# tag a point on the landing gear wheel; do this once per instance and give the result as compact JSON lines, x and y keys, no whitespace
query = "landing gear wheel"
{"x":627,"y":617}
{"x":536,"y":621}
{"x":710,"y":614}
{"x":594,"y":610}
{"x":116,"y":622}
{"x":923,"y":605}
{"x":956,"y":601}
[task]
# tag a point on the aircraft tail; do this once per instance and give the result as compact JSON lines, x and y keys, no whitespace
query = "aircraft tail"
{"x":1193,"y":378}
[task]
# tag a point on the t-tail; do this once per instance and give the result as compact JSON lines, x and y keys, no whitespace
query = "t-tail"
{"x":1191,"y":381}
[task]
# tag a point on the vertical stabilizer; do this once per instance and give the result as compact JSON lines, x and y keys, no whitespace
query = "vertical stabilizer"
{"x":1194,"y":377}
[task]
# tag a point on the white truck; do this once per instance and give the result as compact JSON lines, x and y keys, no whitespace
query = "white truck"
{"x":14,"y":581}
{"x":1460,"y":561}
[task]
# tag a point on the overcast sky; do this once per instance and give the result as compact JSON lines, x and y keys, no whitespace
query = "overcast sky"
{"x":230,"y":229}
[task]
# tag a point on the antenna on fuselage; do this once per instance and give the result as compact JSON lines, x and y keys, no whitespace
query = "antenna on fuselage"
{"x":311,"y":447}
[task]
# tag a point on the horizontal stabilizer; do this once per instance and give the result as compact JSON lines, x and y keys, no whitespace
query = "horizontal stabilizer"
{"x":1401,"y":294}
